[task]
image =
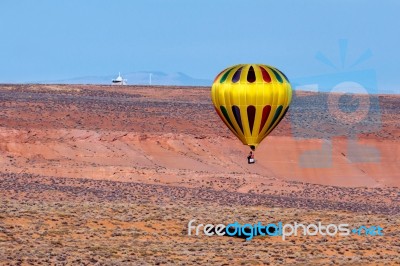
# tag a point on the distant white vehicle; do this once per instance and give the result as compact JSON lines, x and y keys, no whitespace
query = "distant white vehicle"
{"x":119,"y":80}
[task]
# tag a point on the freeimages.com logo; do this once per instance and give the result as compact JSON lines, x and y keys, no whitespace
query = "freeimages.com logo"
{"x":249,"y":231}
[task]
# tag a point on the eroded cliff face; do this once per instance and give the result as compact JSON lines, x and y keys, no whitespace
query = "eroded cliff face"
{"x":166,"y":133}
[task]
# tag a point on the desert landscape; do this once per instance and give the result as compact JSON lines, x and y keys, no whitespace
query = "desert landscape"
{"x":111,"y":175}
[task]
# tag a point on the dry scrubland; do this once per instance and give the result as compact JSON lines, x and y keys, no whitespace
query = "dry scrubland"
{"x":106,"y":175}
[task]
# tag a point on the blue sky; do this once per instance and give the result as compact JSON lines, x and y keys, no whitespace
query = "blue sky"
{"x":50,"y":40}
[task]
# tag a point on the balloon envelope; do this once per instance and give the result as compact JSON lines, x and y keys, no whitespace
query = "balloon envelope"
{"x":251,"y":99}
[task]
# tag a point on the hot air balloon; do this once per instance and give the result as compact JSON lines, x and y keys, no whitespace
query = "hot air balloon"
{"x":251,"y":99}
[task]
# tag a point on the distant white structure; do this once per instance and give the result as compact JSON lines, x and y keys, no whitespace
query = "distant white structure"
{"x":119,"y":80}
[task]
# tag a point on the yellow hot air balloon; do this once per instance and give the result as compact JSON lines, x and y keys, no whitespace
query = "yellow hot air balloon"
{"x":251,"y":99}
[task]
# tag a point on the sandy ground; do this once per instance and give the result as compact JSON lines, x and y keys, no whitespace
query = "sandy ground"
{"x":109,"y":175}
